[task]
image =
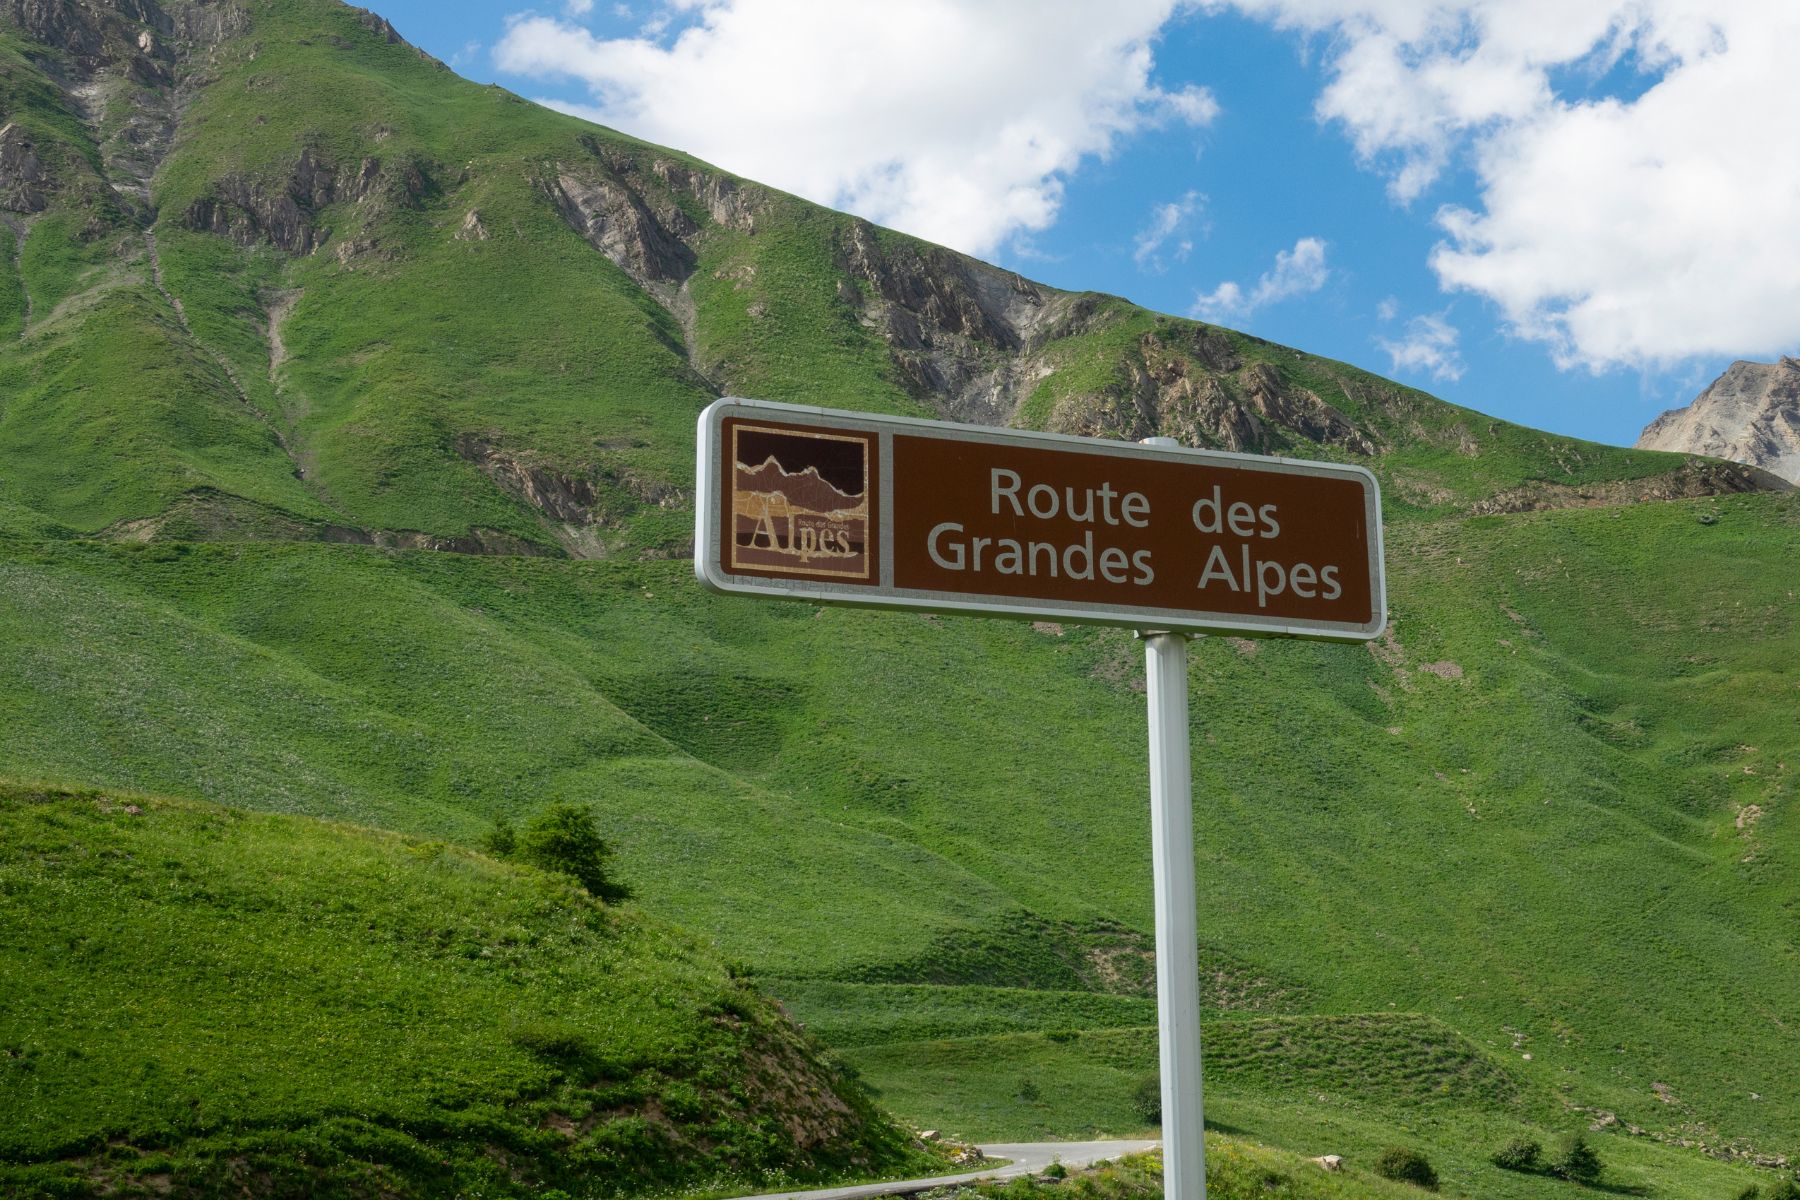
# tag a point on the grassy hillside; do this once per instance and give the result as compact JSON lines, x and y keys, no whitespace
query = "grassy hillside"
{"x":345,"y":440}
{"x":214,"y":1001}
{"x":288,"y":277}
{"x":1552,"y":813}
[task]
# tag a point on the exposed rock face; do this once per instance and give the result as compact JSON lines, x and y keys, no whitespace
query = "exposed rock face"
{"x":1750,"y":414}
{"x":471,"y":229}
{"x":1188,"y":383}
{"x":577,"y":508}
{"x":616,"y":221}
{"x":964,"y":335}
{"x":379,"y":25}
{"x":122,"y":65}
{"x":1301,"y":411}
{"x":284,"y":212}
{"x":970,"y":339}
{"x":22,"y":176}
{"x":1692,"y":479}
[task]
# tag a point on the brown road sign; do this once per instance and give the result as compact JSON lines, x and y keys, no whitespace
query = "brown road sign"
{"x":814,"y":504}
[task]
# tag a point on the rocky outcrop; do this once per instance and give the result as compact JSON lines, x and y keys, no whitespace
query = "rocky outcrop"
{"x":557,"y":495}
{"x":286,"y":212}
{"x":1187,"y":382}
{"x":923,"y":292}
{"x":471,"y":229}
{"x":379,"y":25}
{"x":615,"y":220}
{"x":1689,"y":481}
{"x":130,"y":37}
{"x":637,"y":213}
{"x":22,"y":176}
{"x":577,"y":509}
{"x":964,"y":336}
{"x":1301,"y":411}
{"x":1750,"y":414}
{"x":972,"y":340}
{"x":209,"y":22}
{"x":123,"y":69}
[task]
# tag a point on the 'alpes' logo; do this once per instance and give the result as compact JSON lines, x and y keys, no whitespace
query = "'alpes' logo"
{"x":800,"y":502}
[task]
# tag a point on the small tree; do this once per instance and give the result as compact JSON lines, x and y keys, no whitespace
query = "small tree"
{"x":564,"y":838}
{"x":1146,"y":1101}
{"x":1520,"y":1154}
{"x":502,"y":840}
{"x":1577,"y":1161}
{"x":1405,"y":1165}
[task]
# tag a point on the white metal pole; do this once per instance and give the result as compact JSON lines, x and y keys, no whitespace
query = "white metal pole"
{"x":1177,"y":922}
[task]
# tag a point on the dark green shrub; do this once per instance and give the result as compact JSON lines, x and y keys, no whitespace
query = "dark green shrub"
{"x":1028,"y":1092}
{"x":1750,"y":1192}
{"x":1404,"y":1165}
{"x":1784,"y":1189}
{"x":1520,"y":1154}
{"x":1056,"y":1171}
{"x":565,"y":839}
{"x":1146,"y":1101}
{"x":1576,"y":1160}
{"x":502,"y":840}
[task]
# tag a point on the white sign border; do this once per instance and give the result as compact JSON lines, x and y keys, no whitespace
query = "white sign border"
{"x":707,"y":530}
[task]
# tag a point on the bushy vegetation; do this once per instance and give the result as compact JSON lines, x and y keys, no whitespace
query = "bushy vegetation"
{"x":1403,"y":1164}
{"x":1576,"y":1160}
{"x":1146,"y":1100}
{"x":565,"y":839}
{"x":1520,"y":1154}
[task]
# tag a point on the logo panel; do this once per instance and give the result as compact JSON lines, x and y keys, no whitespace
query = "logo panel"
{"x":800,"y":502}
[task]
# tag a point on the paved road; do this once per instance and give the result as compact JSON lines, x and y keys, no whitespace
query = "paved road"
{"x":1025,"y":1158}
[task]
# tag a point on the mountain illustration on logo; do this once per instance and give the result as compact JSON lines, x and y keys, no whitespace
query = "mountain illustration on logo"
{"x":804,"y":490}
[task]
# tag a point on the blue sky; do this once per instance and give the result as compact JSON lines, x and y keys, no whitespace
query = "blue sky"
{"x":1568,"y":213}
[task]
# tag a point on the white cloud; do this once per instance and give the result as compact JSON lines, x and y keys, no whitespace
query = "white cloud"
{"x":1388,"y":309}
{"x":1429,"y":345}
{"x":1168,"y":233}
{"x":1639,"y":228}
{"x":958,"y":122}
{"x":1295,"y":273}
{"x":578,"y":8}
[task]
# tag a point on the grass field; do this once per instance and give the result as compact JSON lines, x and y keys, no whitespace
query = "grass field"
{"x":1545,"y":849}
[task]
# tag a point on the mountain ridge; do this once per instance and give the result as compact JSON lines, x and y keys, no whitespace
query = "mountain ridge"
{"x":351,"y":203}
{"x":1749,"y":414}
{"x":804,"y":487}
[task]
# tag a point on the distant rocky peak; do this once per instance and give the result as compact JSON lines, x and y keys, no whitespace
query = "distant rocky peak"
{"x":1750,"y":414}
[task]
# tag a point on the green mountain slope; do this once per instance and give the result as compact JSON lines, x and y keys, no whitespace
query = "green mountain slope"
{"x":1529,"y":814}
{"x":540,"y":307}
{"x":218,"y":1002}
{"x":293,"y":311}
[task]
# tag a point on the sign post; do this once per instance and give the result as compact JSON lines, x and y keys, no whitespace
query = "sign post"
{"x":1177,"y":921}
{"x":851,"y":508}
